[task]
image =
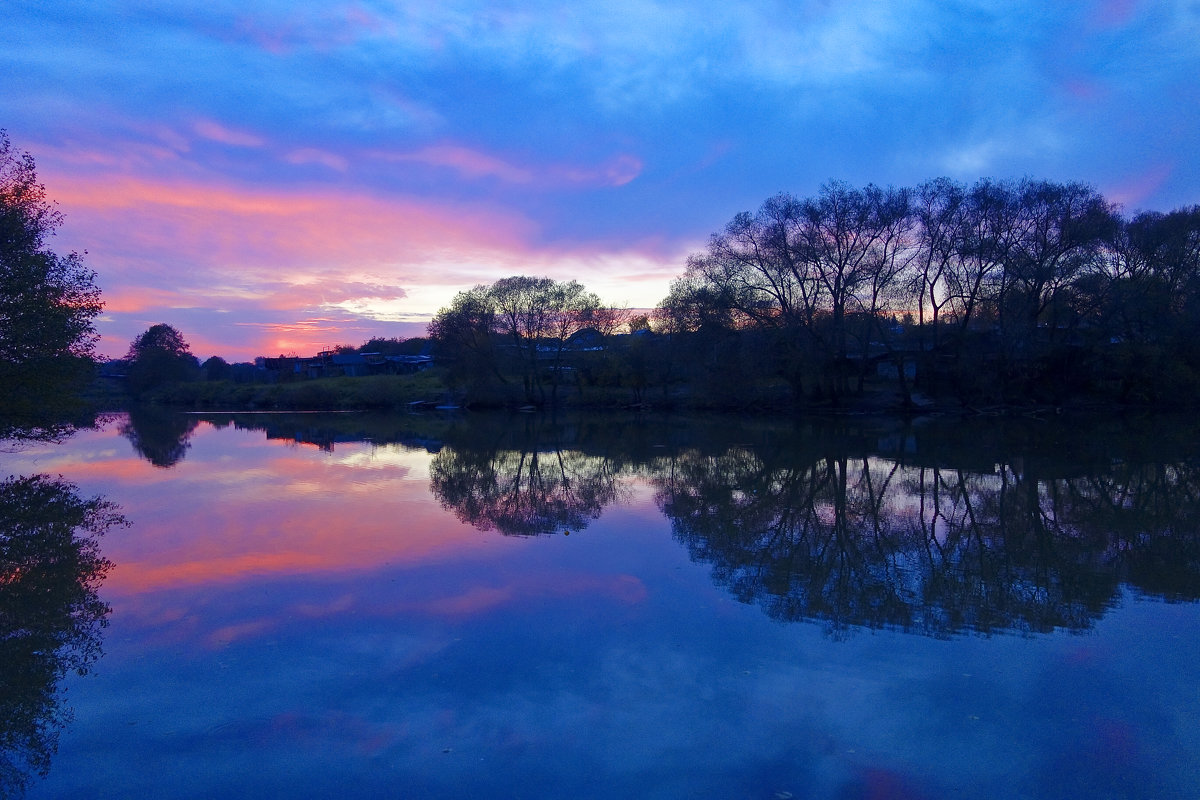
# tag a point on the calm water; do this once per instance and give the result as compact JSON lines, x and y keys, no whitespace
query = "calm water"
{"x":344,"y":605}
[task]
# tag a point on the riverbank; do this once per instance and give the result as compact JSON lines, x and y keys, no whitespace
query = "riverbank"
{"x":428,"y":390}
{"x":370,"y":393}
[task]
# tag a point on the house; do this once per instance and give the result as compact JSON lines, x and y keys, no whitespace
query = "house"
{"x":331,"y":363}
{"x":405,"y":365}
{"x":353,"y":365}
{"x":588,"y":339}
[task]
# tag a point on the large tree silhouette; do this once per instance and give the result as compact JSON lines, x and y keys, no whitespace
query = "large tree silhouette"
{"x":158,"y":356}
{"x":47,"y":305}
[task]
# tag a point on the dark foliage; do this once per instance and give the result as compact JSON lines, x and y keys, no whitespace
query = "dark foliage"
{"x":50,"y":613}
{"x":157,"y":357}
{"x":159,"y":435}
{"x":47,"y":302}
{"x":1012,"y":292}
{"x":985,"y":526}
{"x":516,"y":333}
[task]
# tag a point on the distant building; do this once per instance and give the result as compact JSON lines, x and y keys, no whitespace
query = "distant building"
{"x":330,"y":364}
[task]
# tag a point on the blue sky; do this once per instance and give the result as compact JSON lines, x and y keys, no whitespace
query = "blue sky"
{"x":275,"y":176}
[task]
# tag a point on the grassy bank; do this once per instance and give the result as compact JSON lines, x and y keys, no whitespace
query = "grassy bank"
{"x":376,"y":392}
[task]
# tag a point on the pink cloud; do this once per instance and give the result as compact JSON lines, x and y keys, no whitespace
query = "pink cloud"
{"x":625,"y":589}
{"x":226,"y":635}
{"x":302,"y":337}
{"x":1115,"y":13}
{"x":240,"y":228}
{"x":138,"y":299}
{"x":470,"y":163}
{"x":475,"y":601}
{"x":474,"y":164}
{"x":311,"y":155}
{"x":260,"y":540}
{"x":616,"y":172}
{"x":1134,"y":189}
{"x":328,"y":28}
{"x":302,"y":268}
{"x":154,"y":145}
{"x":217,"y":132}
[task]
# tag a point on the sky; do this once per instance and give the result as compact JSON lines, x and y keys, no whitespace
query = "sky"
{"x":275,"y":177}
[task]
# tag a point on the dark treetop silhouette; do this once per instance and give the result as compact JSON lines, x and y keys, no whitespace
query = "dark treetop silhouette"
{"x":47,"y":305}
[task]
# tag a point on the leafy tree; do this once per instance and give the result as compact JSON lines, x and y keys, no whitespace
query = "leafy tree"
{"x":801,"y":270}
{"x":518,"y":325}
{"x":1064,"y":228}
{"x":463,"y":336}
{"x":537,"y":316}
{"x":395,"y":347}
{"x":47,"y":301}
{"x":216,"y":368}
{"x":523,"y":483}
{"x":639,"y":322}
{"x":157,"y":357}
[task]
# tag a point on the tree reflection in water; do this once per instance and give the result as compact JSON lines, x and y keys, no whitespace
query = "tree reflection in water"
{"x":522,"y":480}
{"x":957,"y":527}
{"x":159,"y":435}
{"x":942,"y":528}
{"x":868,"y":541}
{"x":50,"y":613}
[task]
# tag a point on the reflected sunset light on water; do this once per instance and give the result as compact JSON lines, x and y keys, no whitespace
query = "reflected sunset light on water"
{"x":598,"y":606}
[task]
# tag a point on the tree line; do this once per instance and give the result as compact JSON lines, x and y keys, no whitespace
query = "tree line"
{"x":991,"y":293}
{"x":997,"y":292}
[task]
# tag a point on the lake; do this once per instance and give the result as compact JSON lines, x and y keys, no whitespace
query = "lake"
{"x":316,"y":605}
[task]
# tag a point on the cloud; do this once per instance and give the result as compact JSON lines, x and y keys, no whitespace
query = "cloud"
{"x":255,"y":270}
{"x":216,"y":132}
{"x":476,"y":165}
{"x":357,"y":163}
{"x":1133,"y":190}
{"x":617,"y":171}
{"x":281,"y":230}
{"x":312,"y":155}
{"x":467,"y":162}
{"x":980,"y":153}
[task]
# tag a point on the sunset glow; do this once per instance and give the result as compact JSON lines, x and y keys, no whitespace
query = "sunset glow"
{"x":276,"y":177}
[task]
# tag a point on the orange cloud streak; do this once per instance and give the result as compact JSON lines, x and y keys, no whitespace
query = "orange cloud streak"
{"x":235,"y":228}
{"x":333,"y":262}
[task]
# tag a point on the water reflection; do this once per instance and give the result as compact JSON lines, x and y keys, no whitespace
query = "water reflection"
{"x":159,"y":435}
{"x":327,"y":430}
{"x":1037,"y":542}
{"x":524,"y":479}
{"x":301,"y":617}
{"x":938,"y":528}
{"x":50,"y":614}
